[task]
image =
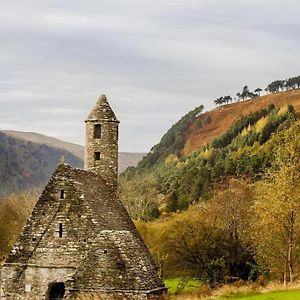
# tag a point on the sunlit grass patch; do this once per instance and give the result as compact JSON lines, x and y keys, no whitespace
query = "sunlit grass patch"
{"x":280,"y":295}
{"x":180,"y":285}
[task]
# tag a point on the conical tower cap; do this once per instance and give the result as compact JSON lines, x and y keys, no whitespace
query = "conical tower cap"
{"x":102,"y":111}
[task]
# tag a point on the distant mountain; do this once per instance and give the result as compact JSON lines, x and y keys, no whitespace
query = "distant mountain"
{"x":25,"y":165}
{"x":38,"y":138}
{"x":126,"y":159}
{"x":129,"y":159}
{"x":28,"y":159}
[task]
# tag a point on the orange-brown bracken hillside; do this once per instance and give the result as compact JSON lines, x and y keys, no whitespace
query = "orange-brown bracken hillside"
{"x":223,"y":117}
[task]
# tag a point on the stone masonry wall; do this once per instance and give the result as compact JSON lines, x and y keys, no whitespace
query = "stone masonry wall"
{"x":119,"y":296}
{"x":100,"y":249}
{"x":107,"y":145}
{"x":32,"y":282}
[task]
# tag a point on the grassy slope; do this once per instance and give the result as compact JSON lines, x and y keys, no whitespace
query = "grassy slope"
{"x":190,"y":291}
{"x":173,"y":283}
{"x":223,"y":117}
{"x":192,"y":285}
{"x":280,"y":295}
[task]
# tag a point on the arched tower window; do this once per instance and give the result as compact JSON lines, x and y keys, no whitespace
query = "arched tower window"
{"x":62,"y":194}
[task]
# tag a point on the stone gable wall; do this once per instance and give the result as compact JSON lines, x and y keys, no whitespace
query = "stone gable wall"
{"x":31,"y":282}
{"x":39,"y":242}
{"x":100,"y":248}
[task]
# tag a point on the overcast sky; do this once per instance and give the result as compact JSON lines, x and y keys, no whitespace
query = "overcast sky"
{"x":154,"y":59}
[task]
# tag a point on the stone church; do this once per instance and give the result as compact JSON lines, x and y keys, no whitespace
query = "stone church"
{"x":79,"y":242}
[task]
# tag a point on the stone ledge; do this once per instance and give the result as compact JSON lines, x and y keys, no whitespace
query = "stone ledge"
{"x":38,"y":266}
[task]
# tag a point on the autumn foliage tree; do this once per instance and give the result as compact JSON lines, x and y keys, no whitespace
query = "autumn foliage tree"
{"x":140,"y":197}
{"x":276,"y":224}
{"x":195,"y":245}
{"x":273,"y":87}
{"x":209,"y":241}
{"x":231,"y":205}
{"x":14,"y":211}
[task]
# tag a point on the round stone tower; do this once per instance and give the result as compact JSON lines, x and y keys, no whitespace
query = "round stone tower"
{"x":101,"y":146}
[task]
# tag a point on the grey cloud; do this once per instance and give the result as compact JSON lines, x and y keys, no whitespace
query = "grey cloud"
{"x":155,"y":60}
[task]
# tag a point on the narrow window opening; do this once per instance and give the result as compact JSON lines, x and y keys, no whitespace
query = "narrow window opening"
{"x":97,"y":131}
{"x":121,"y":265}
{"x":60,"y":233}
{"x":62,"y":194}
{"x":97,"y":155}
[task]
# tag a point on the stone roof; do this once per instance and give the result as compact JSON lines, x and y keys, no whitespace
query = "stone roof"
{"x":102,"y":111}
{"x":100,"y":240}
{"x":127,"y":264}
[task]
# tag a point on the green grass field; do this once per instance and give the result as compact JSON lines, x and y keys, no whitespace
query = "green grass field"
{"x":172,"y":285}
{"x":191,"y":285}
{"x":281,"y":295}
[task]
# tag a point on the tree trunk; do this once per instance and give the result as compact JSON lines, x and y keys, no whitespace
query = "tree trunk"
{"x":290,"y":247}
{"x":284,"y":277}
{"x":289,"y":259}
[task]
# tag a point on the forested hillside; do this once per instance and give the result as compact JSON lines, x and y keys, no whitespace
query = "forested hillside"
{"x":25,"y":165}
{"x":224,"y":116}
{"x":227,"y":210}
{"x":167,"y":179}
{"x":248,"y":230}
{"x":197,"y":129}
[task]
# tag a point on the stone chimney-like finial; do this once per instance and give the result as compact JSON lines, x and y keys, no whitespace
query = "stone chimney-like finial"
{"x":102,"y":97}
